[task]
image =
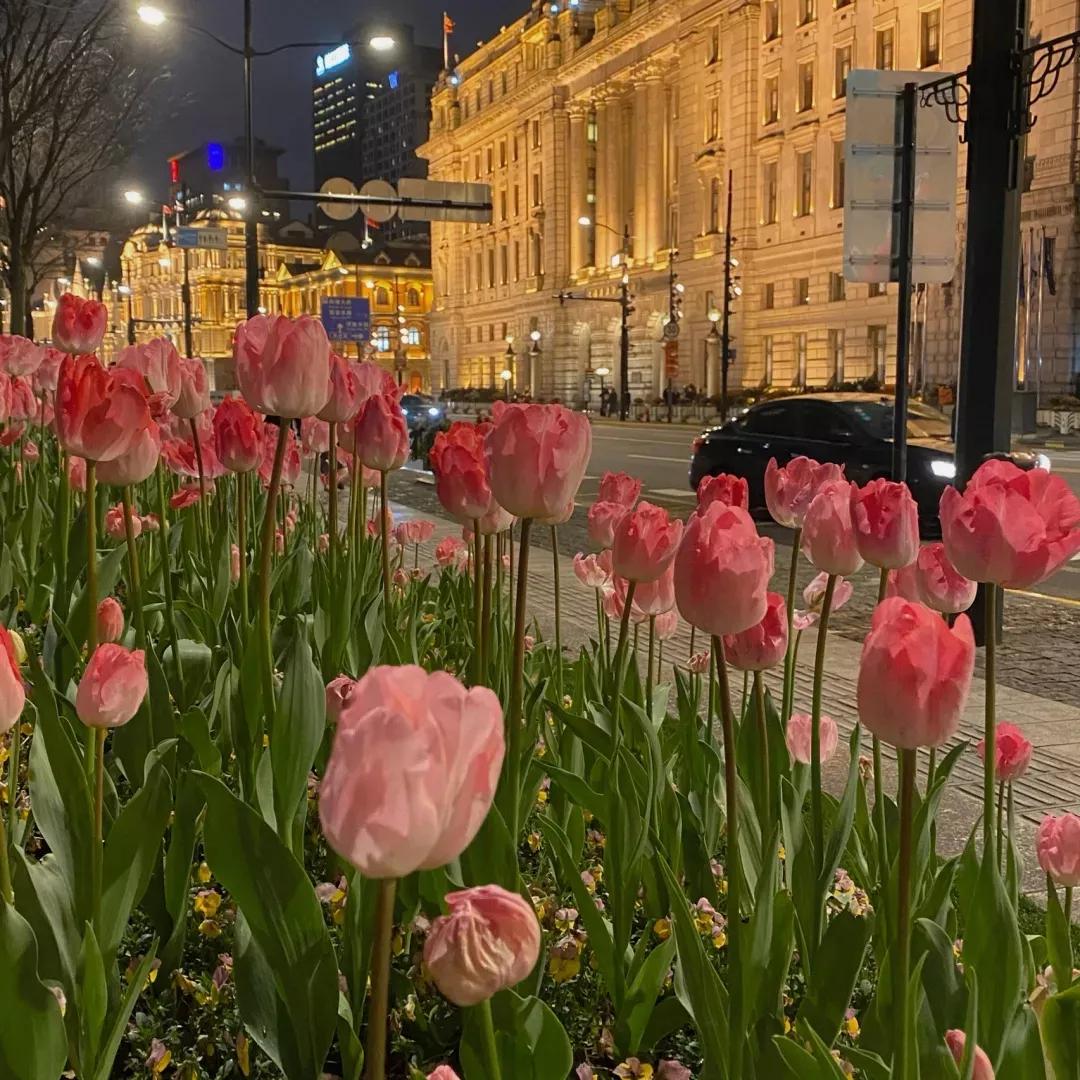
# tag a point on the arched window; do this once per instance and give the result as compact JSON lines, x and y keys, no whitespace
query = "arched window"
{"x":382,"y":296}
{"x":412,"y":297}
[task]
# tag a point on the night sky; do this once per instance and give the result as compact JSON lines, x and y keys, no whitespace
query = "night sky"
{"x":203,"y":99}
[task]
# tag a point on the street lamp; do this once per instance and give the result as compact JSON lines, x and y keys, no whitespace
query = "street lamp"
{"x":381,"y":43}
{"x":152,"y":16}
{"x":603,"y":372}
{"x":133,"y":198}
{"x":238,"y":203}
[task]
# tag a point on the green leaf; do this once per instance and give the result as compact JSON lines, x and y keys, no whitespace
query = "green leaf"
{"x":107,"y":1055}
{"x":1061,"y":1032}
{"x":837,"y":964}
{"x":1058,"y":938}
{"x":641,"y":998}
{"x":108,"y":573}
{"x":92,"y":1000}
{"x":491,"y":858}
{"x":33,"y":1045}
{"x":801,"y":1064}
{"x":942,"y":981}
{"x":286,"y":927}
{"x":530,"y":1041}
{"x":1022,"y":1055}
{"x":579,"y":790}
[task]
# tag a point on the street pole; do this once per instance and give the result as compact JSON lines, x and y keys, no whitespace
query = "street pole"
{"x":906,"y":229}
{"x":725,"y":339}
{"x":624,"y":330}
{"x":997,"y":107}
{"x":251,"y":227}
{"x":185,"y":297}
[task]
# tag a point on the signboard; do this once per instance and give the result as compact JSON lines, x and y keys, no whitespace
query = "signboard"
{"x":671,"y":329}
{"x":444,"y":191}
{"x":872,"y":181}
{"x":327,"y":61}
{"x":346,"y":318}
{"x":189,"y":237}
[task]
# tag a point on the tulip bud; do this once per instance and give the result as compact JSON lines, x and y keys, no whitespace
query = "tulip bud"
{"x":110,"y":620}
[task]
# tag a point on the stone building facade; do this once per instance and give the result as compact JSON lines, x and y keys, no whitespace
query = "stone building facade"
{"x":632,"y":115}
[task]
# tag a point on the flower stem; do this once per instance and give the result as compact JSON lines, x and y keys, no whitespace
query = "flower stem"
{"x":13,"y":783}
{"x":478,"y":604}
{"x":879,"y":783}
{"x":734,"y":894}
{"x":1000,"y":822}
{"x":6,"y":890}
{"x":266,"y":552}
{"x":378,"y":1010}
{"x":166,"y":582}
{"x":789,"y":659}
{"x":91,"y":589}
{"x":485,"y":614}
{"x":241,"y":541}
{"x":201,"y":513}
{"x":990,"y":717}
{"x":903,"y":920}
{"x":649,"y":669}
{"x":384,"y":532}
{"x":815,"y":725}
{"x":136,"y":575}
{"x":492,"y":1069}
{"x":517,"y":684}
{"x":558,"y":610}
{"x":99,"y":836}
{"x":332,"y":473}
{"x":766,"y":794}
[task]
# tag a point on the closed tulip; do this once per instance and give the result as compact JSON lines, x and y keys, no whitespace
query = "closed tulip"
{"x":650,"y":597}
{"x":1012,"y":753}
{"x":537,"y":456}
{"x":110,"y":620}
{"x":283,"y":365}
{"x":451,"y":551}
{"x":914,"y":675}
{"x":114,"y":523}
{"x":412,"y":772}
{"x":459,"y":461}
{"x":314,"y":435}
{"x":588,"y":571}
{"x":76,"y":473}
{"x":828,"y":534}
{"x":1057,"y":845}
{"x":12,"y":690}
{"x":886,"y":522}
{"x":488,"y":942}
{"x":23,"y":404}
{"x":138,"y":462}
{"x":645,"y":543}
{"x":799,"y":734}
{"x":112,"y":687}
{"x":495,"y":521}
{"x":1010,"y":527}
{"x":20,"y":356}
{"x":238,"y":435}
{"x":619,"y":487}
{"x":763,"y":645}
{"x":666,"y":625}
{"x":722,"y":571}
{"x":382,"y":437}
{"x":372,"y":379}
{"x":158,"y":363}
{"x":48,"y":371}
{"x":79,"y":325}
{"x":723,"y":488}
{"x":194,"y":397}
{"x":345,"y":392}
{"x":982,"y":1068}
{"x":941,"y":586}
{"x":790,"y":490}
{"x":601,"y":521}
{"x":338,"y":692}
{"x":443,"y":1072}
{"x":99,"y":412}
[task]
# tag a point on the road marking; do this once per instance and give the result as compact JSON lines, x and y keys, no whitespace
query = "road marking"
{"x":672,"y":493}
{"x":656,"y":457}
{"x":1046,"y":596}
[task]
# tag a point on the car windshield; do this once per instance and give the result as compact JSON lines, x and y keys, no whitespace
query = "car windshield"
{"x":877,"y":418}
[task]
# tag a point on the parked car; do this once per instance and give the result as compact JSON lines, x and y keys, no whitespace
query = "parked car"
{"x":422,"y":411}
{"x":851,"y":429}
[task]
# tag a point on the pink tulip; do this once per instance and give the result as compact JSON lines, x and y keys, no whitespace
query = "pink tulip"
{"x":790,"y":490}
{"x":372,"y":379}
{"x":238,"y":435}
{"x":382,"y":437}
{"x":412,"y":771}
{"x":30,"y":452}
{"x":234,"y":564}
{"x":79,"y":325}
{"x":589,"y":571}
{"x":21,"y":356}
{"x":941,"y":586}
{"x":645,"y":544}
{"x":114,"y":523}
{"x":956,"y":1040}
{"x":112,"y":687}
{"x":151,"y":523}
{"x":1010,"y":527}
{"x":345,"y":392}
{"x":763,"y":645}
{"x":12,"y":690}
{"x":48,"y":371}
{"x":698,"y":664}
{"x":537,"y":456}
{"x":650,"y":597}
{"x":673,"y":1070}
{"x":619,"y":487}
{"x":338,"y":692}
{"x":187,"y":496}
{"x":1012,"y":754}
{"x":496,"y":520}
{"x":799,"y":734}
{"x":314,"y":435}
{"x":451,"y":552}
{"x":158,"y":363}
{"x":828,"y":534}
{"x":443,"y":1072}
{"x":915,"y":674}
{"x":1057,"y":845}
{"x":459,"y":462}
{"x":290,"y":464}
{"x":76,"y":473}
{"x":666,"y":625}
{"x":23,"y":404}
{"x":723,"y":488}
{"x":110,"y":620}
{"x":283,"y":365}
{"x":905,"y":583}
{"x":99,"y":412}
{"x":602,"y":520}
{"x":194,"y":389}
{"x":722,"y":571}
{"x":488,"y":942}
{"x":138,"y":462}
{"x":814,"y":596}
{"x":886,"y":522}
{"x":12,"y":434}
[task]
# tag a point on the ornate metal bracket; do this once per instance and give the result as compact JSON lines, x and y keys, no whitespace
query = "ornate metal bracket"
{"x":1043,"y":64}
{"x":951,"y":93}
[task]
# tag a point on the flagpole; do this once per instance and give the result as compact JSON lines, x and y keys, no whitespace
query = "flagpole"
{"x":445,"y":41}
{"x":1039,"y":320}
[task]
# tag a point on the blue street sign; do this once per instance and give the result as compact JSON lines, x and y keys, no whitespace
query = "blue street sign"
{"x":346,"y":318}
{"x":186,"y":237}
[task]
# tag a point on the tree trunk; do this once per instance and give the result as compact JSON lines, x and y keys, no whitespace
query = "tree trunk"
{"x":17,"y":287}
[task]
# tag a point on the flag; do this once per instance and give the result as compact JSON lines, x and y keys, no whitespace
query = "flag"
{"x":1048,"y":264}
{"x":447,"y":30}
{"x":447,"y":24}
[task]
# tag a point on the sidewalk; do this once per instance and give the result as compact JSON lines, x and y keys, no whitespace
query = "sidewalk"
{"x":1052,"y":783}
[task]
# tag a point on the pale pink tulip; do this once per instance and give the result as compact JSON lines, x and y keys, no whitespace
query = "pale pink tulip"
{"x":12,"y":690}
{"x":828,"y":534}
{"x":941,"y":586}
{"x":799,"y":734}
{"x":110,"y":620}
{"x":790,"y":490}
{"x":112,"y":687}
{"x":763,"y":645}
{"x":1013,"y":752}
{"x":1057,"y":845}
{"x":886,"y":522}
{"x":645,"y":543}
{"x":982,"y":1067}
{"x":723,"y":488}
{"x":283,"y":365}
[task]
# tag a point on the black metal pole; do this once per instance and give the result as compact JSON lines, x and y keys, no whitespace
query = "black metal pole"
{"x":251,"y":227}
{"x":624,"y":348}
{"x":185,"y":298}
{"x":997,"y":105}
{"x":905,"y":235}
{"x":725,"y":341}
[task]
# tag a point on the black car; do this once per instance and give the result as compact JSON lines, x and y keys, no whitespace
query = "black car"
{"x":422,"y":411}
{"x":853,"y":430}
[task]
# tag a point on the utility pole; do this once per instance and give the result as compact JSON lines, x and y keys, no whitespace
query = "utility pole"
{"x":185,"y":288}
{"x":624,"y":330}
{"x":251,"y":227}
{"x":725,"y":335}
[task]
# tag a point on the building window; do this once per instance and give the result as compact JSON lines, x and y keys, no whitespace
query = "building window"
{"x":841,"y":70}
{"x":836,"y":286}
{"x":714,"y":204}
{"x":802,"y":290}
{"x":468,"y":274}
{"x":535,"y":127}
{"x":767,"y":358}
{"x":843,"y":3}
{"x":517,"y":200}
{"x":411,"y":336}
{"x":929,"y":37}
{"x":800,"y":360}
{"x":502,"y":153}
{"x":878,"y":344}
{"x":836,"y":355}
{"x":536,"y":189}
{"x":502,"y":205}
{"x":883,"y":48}
{"x":490,"y":160}
{"x":805,"y":88}
{"x":412,"y":297}
{"x":491,"y":268}
{"x":768,"y":296}
{"x":591,"y":130}
{"x":382,"y":296}
{"x":517,"y":260}
{"x":713,"y":51}
{"x":877,"y":288}
{"x":806,"y":11}
{"x":504,"y":265}
{"x":476,"y":166}
{"x":838,"y":165}
{"x":770,"y":20}
{"x":712,"y":126}
{"x":381,"y":338}
{"x":771,"y":99}
{"x":804,"y":179}
{"x":768,"y":192}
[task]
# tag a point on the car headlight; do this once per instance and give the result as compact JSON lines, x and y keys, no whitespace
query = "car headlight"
{"x":432,"y":411}
{"x":404,"y":412}
{"x":946,"y":470}
{"x":1043,"y":461}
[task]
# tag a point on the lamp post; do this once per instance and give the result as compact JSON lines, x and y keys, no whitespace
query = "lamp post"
{"x":712,"y":354}
{"x":507,"y":372}
{"x":534,"y":361}
{"x":603,"y":372}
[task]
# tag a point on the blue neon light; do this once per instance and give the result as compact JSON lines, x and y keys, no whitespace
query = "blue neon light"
{"x":332,"y":59}
{"x":215,"y":157}
{"x":392,"y":79}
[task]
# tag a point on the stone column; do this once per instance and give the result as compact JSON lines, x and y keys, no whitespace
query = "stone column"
{"x":644,"y":242}
{"x":578,"y":207}
{"x":605,"y":138}
{"x":655,"y":196}
{"x":616,"y":210}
